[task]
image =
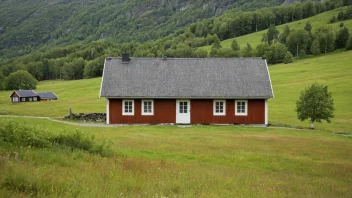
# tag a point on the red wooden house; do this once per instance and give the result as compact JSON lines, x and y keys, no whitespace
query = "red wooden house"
{"x":186,"y":90}
{"x":24,"y":96}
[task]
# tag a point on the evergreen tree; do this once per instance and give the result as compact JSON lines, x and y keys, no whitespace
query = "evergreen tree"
{"x":217,"y":44}
{"x":342,"y":37}
{"x":315,"y":49}
{"x":234,"y":45}
{"x":271,"y":35}
{"x":247,"y":51}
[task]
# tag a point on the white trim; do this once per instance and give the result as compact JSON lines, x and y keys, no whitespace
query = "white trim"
{"x":214,"y":108}
{"x":246,"y":108}
{"x":146,"y":114}
{"x":107,"y":111}
{"x":102,"y":78}
{"x":15,"y":99}
{"x":271,"y":85}
{"x":266,"y":112}
{"x":185,"y":117}
{"x":123,"y":107}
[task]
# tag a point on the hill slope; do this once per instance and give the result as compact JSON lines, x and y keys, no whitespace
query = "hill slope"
{"x":333,"y":70}
{"x":38,"y":22}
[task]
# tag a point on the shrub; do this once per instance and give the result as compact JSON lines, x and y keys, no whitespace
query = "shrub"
{"x":20,"y":80}
{"x":288,"y":58}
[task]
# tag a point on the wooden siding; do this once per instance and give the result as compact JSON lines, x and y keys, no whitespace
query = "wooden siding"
{"x":164,"y":112}
{"x":201,"y":112}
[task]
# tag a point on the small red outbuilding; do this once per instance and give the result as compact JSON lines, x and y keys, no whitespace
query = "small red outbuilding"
{"x":186,"y":90}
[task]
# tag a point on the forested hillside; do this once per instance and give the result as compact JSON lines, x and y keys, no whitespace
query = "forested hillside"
{"x":27,"y":24}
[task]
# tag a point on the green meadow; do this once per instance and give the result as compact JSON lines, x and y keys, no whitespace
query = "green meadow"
{"x":168,"y":161}
{"x":316,"y":21}
{"x":288,"y":81}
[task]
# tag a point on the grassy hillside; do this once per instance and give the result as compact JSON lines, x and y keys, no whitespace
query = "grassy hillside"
{"x":333,"y":70}
{"x":317,"y":21}
{"x":167,"y":161}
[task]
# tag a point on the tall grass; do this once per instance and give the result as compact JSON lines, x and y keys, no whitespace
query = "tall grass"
{"x":15,"y":134}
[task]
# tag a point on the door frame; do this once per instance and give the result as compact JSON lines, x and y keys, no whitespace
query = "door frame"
{"x":181,"y":117}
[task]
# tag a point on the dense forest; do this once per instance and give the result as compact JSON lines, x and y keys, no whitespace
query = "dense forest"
{"x":85,"y":59}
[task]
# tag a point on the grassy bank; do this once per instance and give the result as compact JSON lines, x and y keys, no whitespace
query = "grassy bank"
{"x":201,"y":161}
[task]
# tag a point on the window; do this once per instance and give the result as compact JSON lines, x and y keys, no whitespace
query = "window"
{"x":23,"y":99}
{"x":147,"y":107}
{"x":241,"y":107}
{"x":34,"y":99}
{"x":219,"y":107}
{"x":30,"y":99}
{"x":15,"y":99}
{"x":183,"y":107}
{"x":128,"y":107}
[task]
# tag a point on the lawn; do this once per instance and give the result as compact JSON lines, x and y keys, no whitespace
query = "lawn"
{"x":168,"y":161}
{"x":316,"y":21}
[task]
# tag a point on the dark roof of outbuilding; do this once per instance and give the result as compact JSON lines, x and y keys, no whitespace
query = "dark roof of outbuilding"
{"x":26,"y":93}
{"x":48,"y":95}
{"x":186,"y":78}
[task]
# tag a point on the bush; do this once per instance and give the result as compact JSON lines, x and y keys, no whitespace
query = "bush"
{"x":288,"y":58}
{"x":302,"y":53}
{"x":20,"y":80}
{"x":333,"y":19}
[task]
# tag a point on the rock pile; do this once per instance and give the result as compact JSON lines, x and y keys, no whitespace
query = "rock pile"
{"x":95,"y":117}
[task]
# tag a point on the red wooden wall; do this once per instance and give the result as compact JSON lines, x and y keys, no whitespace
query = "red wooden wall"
{"x":164,"y":112}
{"x":201,"y":112}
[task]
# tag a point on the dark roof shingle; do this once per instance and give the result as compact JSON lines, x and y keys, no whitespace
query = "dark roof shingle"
{"x":186,"y":78}
{"x":26,"y":93}
{"x":47,"y":95}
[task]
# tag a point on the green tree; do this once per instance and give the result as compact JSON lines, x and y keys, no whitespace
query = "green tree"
{"x":276,"y":53}
{"x":247,"y":51}
{"x":2,"y":79}
{"x":298,"y":40}
{"x":217,"y":44}
{"x":326,"y":38}
{"x":234,"y":45}
{"x":308,"y":27}
{"x":342,"y":37}
{"x":261,"y":49}
{"x":315,"y":49}
{"x":271,"y":35}
{"x":285,"y":34}
{"x":302,"y":54}
{"x":340,"y":16}
{"x":288,"y":58}
{"x":20,"y":79}
{"x":316,"y":104}
{"x":349,"y":44}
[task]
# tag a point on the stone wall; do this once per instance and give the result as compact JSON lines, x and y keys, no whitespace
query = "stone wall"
{"x":93,"y":117}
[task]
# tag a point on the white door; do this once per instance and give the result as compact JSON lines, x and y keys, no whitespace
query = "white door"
{"x":183,"y":111}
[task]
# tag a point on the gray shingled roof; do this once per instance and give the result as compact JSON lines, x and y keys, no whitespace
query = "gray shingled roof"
{"x":47,"y":95}
{"x":186,"y":78}
{"x":26,"y":93}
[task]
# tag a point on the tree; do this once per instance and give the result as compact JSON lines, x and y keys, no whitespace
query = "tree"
{"x":285,"y":34}
{"x":298,"y":40}
{"x":276,"y":53}
{"x":308,"y":26}
{"x":315,"y":49}
{"x":2,"y":79}
{"x":261,"y":49}
{"x":342,"y":37}
{"x":234,"y":45}
{"x":349,"y":44}
{"x":333,"y":19}
{"x":316,"y":104}
{"x":271,"y":35}
{"x":20,"y":79}
{"x":247,"y":51}
{"x":217,"y":44}
{"x":288,"y":58}
{"x":340,"y":16}
{"x":302,"y":54}
{"x":326,"y":38}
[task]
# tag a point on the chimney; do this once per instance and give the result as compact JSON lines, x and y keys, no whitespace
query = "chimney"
{"x":125,"y":57}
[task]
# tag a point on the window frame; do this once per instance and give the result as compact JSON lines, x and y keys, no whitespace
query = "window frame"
{"x":123,"y":108}
{"x":224,"y":108}
{"x":152,"y":108}
{"x":246,"y":108}
{"x":23,"y":99}
{"x":15,"y":99}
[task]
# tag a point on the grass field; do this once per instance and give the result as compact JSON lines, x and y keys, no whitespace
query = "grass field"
{"x":316,"y":21}
{"x":167,"y":161}
{"x":334,"y":70}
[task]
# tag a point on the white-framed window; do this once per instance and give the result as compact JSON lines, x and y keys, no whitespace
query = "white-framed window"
{"x":127,"y":107}
{"x":23,"y":99}
{"x":30,"y":99}
{"x":147,"y":107}
{"x":219,"y":107}
{"x":34,"y":99}
{"x":241,"y":107}
{"x":15,"y":99}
